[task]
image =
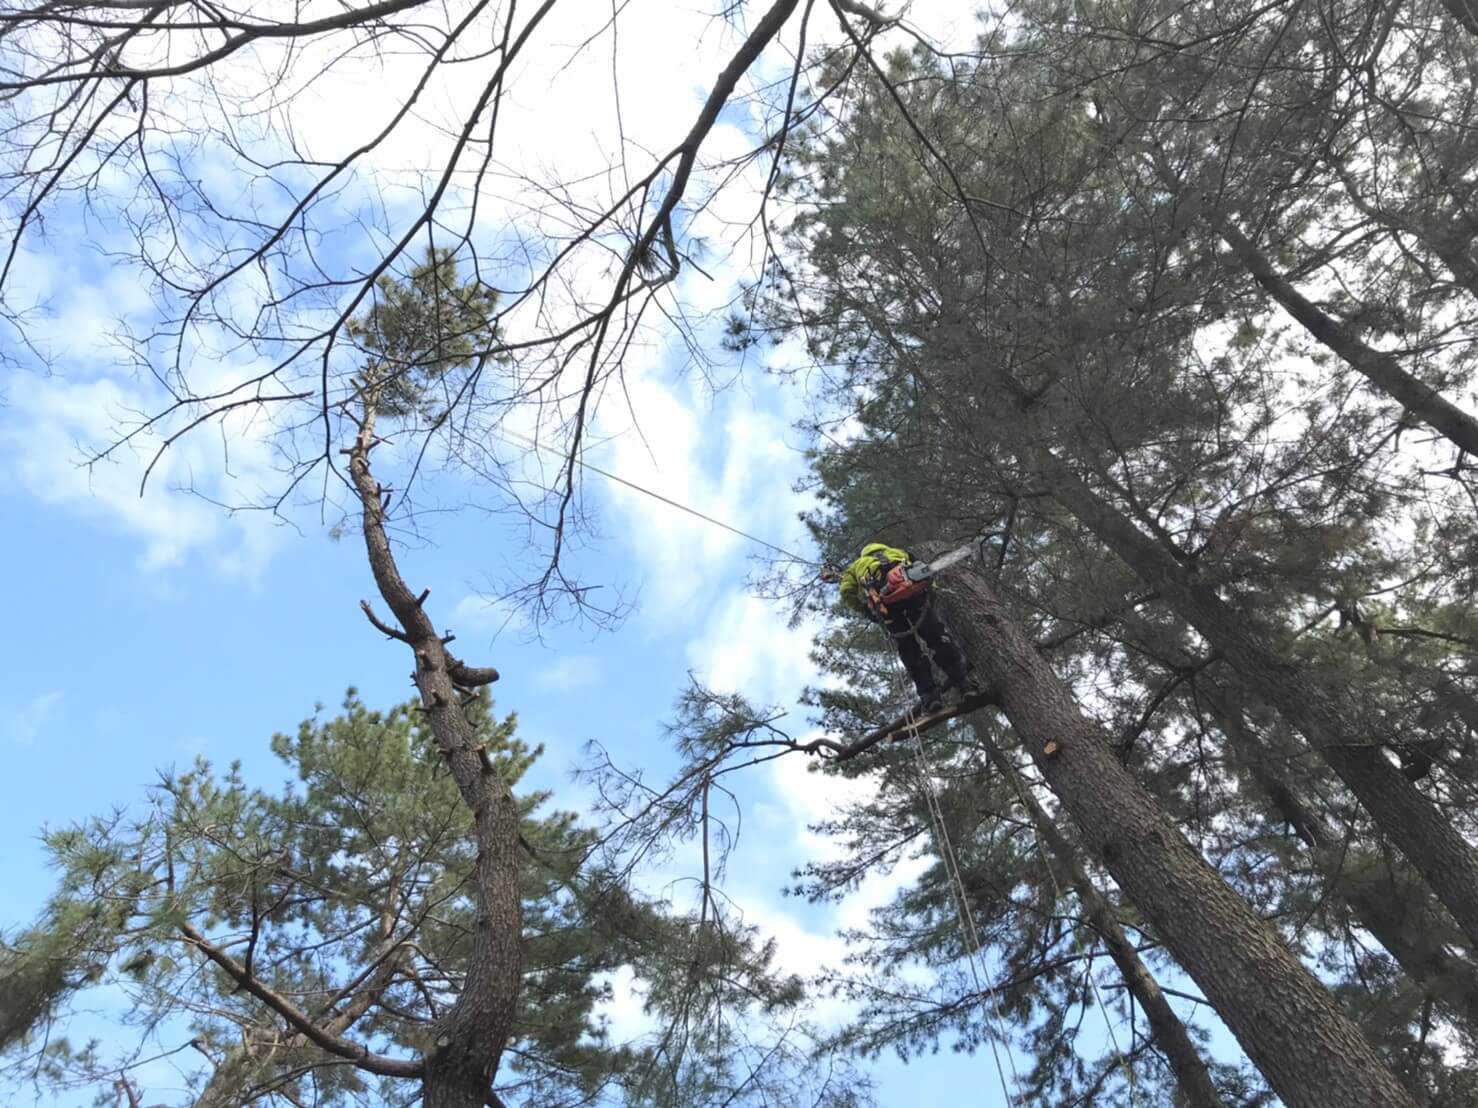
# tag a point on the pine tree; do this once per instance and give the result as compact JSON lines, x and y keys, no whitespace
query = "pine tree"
{"x":230,"y":918}
{"x":1045,"y":342}
{"x":342,"y":896}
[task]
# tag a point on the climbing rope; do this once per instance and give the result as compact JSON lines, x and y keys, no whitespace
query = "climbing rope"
{"x":517,"y":439}
{"x":1124,"y":1061}
{"x":972,"y":935}
{"x":966,"y":916}
{"x":973,"y":951}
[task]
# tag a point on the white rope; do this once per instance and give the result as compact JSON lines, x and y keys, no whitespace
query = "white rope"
{"x":967,"y":922}
{"x":967,"y":916}
{"x":1017,"y":785}
{"x":1124,"y":1060}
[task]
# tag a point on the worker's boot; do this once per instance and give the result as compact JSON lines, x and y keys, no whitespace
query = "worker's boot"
{"x":963,"y":688}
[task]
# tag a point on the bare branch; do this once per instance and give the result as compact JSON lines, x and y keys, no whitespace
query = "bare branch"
{"x":299,"y":1020}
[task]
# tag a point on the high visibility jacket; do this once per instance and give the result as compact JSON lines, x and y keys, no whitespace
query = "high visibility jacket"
{"x":868,"y":570}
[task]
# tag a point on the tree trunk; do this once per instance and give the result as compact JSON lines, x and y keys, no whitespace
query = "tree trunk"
{"x":1386,"y":913}
{"x":1169,"y":1032}
{"x":1443,"y":857}
{"x":455,"y":1082}
{"x":1285,"y":1020}
{"x":1379,"y":368}
{"x":469,"y":1041}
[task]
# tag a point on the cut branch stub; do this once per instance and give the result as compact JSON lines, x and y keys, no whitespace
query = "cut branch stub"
{"x":471,"y":677}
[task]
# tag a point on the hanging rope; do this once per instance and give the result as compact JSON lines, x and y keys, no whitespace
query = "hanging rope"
{"x":967,"y":924}
{"x":972,"y":936}
{"x":523,"y":440}
{"x":1125,"y":1063}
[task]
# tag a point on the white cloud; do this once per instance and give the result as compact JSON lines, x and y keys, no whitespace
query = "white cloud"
{"x":53,"y":424}
{"x":485,"y":615}
{"x":28,"y":722}
{"x":627,"y":1019}
{"x":569,"y":672}
{"x":745,"y":646}
{"x":727,"y":456}
{"x":31,"y":282}
{"x":776,"y":841}
{"x":88,"y":393}
{"x":585,"y":97}
{"x":723,"y":456}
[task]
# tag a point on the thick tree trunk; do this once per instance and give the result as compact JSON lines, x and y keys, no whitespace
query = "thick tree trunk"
{"x":1285,"y":1020}
{"x":469,"y":1041}
{"x":1379,"y":368}
{"x":1443,"y":857}
{"x":1387,"y":913}
{"x":459,"y":1083}
{"x":1169,"y":1032}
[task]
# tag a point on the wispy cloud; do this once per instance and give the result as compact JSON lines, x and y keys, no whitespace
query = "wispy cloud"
{"x":746,"y":645}
{"x":484,"y":615}
{"x":26,"y":725}
{"x":569,"y":672}
{"x":54,"y":423}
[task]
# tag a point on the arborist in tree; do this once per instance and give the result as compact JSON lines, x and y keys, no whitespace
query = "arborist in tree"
{"x":877,"y":585}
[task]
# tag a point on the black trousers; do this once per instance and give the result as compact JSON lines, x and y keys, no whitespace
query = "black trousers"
{"x":914,"y":626}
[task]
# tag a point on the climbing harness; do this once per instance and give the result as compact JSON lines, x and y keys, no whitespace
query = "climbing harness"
{"x":897,"y":588}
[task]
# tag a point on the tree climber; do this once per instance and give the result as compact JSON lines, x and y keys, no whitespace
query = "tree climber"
{"x":876,"y":585}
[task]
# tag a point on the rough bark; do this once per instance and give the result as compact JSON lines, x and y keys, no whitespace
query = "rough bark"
{"x":1286,"y":1021}
{"x":1170,"y":1034}
{"x":1381,"y":369}
{"x":468,"y":1043}
{"x":1446,"y":860}
{"x":1388,"y":914}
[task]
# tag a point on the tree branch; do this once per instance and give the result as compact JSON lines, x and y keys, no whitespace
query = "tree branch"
{"x":343,"y":1048}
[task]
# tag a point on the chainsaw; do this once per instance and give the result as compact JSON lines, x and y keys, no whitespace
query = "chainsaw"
{"x":905,"y":582}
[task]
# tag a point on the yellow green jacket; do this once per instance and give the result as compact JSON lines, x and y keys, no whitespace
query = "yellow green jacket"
{"x":855,"y":576}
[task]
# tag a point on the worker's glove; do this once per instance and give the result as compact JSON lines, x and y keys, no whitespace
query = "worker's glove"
{"x":900,"y":587}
